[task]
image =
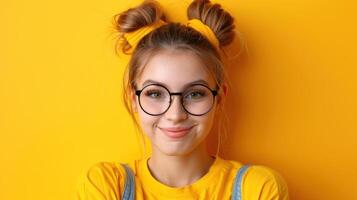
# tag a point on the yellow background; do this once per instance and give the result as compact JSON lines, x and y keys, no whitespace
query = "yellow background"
{"x":293,"y":103}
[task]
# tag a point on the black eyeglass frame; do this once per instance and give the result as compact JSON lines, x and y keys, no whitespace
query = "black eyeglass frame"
{"x":138,"y":92}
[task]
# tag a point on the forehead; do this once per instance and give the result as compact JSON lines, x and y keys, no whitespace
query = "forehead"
{"x":175,"y":69}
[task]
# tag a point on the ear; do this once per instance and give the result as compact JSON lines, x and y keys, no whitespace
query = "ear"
{"x":223,"y":94}
{"x":225,"y":89}
{"x":134,"y":102}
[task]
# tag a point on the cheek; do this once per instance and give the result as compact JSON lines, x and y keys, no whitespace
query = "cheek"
{"x":147,"y":122}
{"x":208,"y":123}
{"x":205,"y":123}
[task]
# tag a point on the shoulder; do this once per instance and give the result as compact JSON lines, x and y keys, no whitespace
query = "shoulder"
{"x":262,"y":182}
{"x":101,"y":181}
{"x":110,"y":171}
{"x":259,"y":182}
{"x":104,"y":168}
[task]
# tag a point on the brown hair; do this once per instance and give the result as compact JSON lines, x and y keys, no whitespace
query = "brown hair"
{"x":174,"y":36}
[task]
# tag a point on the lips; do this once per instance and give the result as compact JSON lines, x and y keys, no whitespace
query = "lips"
{"x":176,"y":132}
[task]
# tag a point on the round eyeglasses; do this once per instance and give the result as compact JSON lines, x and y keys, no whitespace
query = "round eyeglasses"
{"x":155,"y":99}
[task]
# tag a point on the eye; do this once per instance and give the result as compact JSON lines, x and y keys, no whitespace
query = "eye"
{"x":153,"y":93}
{"x":195,"y":94}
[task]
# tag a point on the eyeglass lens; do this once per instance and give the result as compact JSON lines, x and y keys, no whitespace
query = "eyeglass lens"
{"x":197,"y":99}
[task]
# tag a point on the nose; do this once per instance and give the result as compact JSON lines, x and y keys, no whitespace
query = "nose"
{"x":176,"y":112}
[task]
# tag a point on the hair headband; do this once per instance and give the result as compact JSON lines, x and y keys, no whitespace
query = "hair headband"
{"x":205,"y":30}
{"x":134,"y":37}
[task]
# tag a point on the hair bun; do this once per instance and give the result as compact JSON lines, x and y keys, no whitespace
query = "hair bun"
{"x":219,"y":20}
{"x":147,"y":13}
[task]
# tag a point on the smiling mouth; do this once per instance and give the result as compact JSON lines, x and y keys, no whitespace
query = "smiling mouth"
{"x":176,"y":133}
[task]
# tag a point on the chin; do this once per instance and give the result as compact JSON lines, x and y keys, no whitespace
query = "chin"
{"x":173,"y":151}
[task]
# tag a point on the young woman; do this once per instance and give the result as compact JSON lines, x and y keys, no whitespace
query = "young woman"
{"x":175,"y":88}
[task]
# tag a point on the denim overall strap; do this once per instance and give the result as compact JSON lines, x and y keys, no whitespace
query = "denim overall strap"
{"x":129,"y":184}
{"x":237,"y":186}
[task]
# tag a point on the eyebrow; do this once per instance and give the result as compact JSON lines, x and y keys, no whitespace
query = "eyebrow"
{"x":200,"y":81}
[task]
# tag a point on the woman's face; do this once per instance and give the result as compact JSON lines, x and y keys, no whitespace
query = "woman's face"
{"x":175,"y":69}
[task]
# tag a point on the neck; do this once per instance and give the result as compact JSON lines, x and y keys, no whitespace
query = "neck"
{"x":180,"y":170}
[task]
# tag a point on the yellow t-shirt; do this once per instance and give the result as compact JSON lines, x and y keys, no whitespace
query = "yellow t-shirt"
{"x":105,"y":180}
